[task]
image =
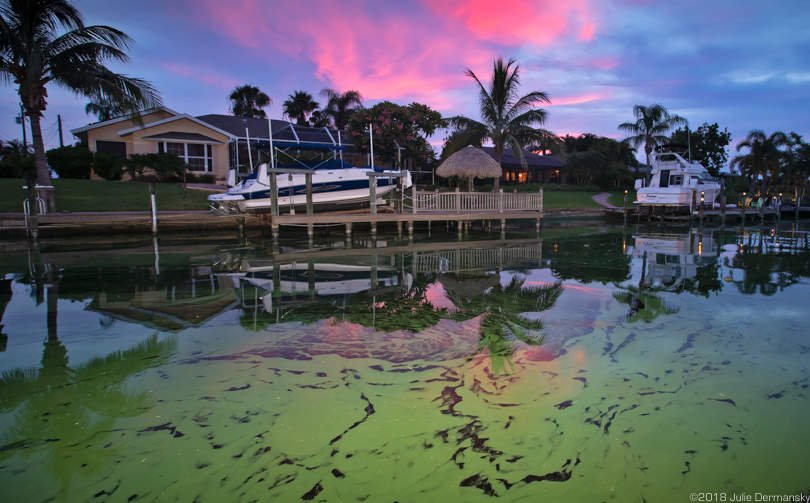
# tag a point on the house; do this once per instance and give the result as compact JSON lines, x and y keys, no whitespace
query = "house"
{"x":539,"y":168}
{"x":209,"y":144}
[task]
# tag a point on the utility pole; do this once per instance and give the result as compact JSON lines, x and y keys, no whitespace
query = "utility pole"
{"x":22,"y":121}
{"x":59,"y":124}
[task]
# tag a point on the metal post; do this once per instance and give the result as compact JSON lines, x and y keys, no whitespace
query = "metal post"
{"x":625,"y":207}
{"x":371,"y":142}
{"x":153,"y":202}
{"x":59,"y":125}
{"x":308,"y":181}
{"x":250,"y":154}
{"x":372,"y":186}
{"x":22,"y":122}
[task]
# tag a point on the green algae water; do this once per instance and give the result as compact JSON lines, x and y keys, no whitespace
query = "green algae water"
{"x":591,"y":364}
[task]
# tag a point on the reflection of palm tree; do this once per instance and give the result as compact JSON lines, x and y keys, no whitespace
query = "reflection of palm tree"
{"x":5,"y":298}
{"x":644,"y":305}
{"x":56,"y":406}
{"x":503,"y":321}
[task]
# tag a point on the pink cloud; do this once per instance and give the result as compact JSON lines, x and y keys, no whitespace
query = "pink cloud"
{"x":577,"y":100}
{"x":519,"y":22}
{"x":208,"y":77}
{"x":393,"y":52}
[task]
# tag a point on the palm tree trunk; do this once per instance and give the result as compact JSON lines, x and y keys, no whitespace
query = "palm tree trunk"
{"x":41,"y":163}
{"x":496,"y":184}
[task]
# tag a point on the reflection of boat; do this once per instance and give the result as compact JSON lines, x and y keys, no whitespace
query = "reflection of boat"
{"x":674,"y":181}
{"x":334,"y":183}
{"x":672,"y":259}
{"x":322,"y":279}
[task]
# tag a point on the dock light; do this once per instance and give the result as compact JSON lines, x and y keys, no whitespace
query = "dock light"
{"x":702,"y":196}
{"x":626,"y":192}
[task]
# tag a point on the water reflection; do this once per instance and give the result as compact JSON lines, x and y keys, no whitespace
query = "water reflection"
{"x":453,"y":369}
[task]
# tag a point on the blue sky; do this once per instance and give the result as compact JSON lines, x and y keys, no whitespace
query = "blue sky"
{"x":743,"y":64}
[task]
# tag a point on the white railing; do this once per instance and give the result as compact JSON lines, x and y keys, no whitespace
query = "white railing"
{"x":476,"y":202}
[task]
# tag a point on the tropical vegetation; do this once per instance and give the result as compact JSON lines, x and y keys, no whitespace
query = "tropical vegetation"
{"x":248,"y":101}
{"x":44,"y":42}
{"x":707,"y":145}
{"x":775,"y":163}
{"x":400,"y":132}
{"x":651,"y":126}
{"x":299,"y":106}
{"x":508,"y":119}
{"x":340,"y":106}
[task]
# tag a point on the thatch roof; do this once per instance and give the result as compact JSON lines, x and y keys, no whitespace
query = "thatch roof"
{"x":469,"y":162}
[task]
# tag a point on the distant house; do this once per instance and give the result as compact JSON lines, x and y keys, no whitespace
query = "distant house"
{"x":539,"y":168}
{"x":211,"y":143}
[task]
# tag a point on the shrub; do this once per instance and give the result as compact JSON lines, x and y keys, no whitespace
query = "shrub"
{"x":201,"y":177}
{"x":71,"y":162}
{"x":164,"y":167}
{"x":16,"y":161}
{"x":108,"y":166}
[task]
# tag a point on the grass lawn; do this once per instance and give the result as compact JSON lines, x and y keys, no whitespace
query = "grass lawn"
{"x":617,"y":198}
{"x":97,"y":195}
{"x":569,"y":200}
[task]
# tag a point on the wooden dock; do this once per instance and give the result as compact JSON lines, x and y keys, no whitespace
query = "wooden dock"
{"x":425,"y":206}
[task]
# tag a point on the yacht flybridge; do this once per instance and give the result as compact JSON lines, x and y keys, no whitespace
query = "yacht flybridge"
{"x":676,"y":182}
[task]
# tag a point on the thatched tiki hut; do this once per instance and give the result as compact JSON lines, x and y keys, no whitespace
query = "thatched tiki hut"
{"x":470,"y":162}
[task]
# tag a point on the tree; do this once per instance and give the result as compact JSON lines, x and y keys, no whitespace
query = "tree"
{"x":341,"y":106}
{"x":598,"y":160}
{"x":103,"y":109}
{"x":16,"y":159}
{"x":299,"y":106}
{"x":319,"y":118}
{"x":395,"y":127}
{"x":46,"y":41}
{"x":796,"y":169}
{"x":507,"y":119}
{"x":764,"y":158}
{"x":652,"y":124}
{"x":248,"y":101}
{"x":708,"y":145}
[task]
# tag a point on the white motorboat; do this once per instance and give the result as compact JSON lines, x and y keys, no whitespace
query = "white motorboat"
{"x":676,"y":182}
{"x":334,"y":184}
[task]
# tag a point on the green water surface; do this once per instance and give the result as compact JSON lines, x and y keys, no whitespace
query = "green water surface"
{"x":593,"y":364}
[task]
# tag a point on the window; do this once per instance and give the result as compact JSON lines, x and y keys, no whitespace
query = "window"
{"x":117,"y":148}
{"x":198,"y":156}
{"x":676,"y":179}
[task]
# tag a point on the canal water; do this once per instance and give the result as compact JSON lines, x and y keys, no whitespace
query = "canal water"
{"x":591,"y":363}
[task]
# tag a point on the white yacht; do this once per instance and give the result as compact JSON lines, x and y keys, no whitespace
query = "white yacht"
{"x":676,"y":182}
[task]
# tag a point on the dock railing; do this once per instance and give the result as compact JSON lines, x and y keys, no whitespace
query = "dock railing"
{"x":475,"y":202}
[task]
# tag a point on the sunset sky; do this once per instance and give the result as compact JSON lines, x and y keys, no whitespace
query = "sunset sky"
{"x":743,"y":64}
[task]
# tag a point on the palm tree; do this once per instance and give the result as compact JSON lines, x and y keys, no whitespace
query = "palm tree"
{"x":340,"y":106}
{"x":248,"y":101}
{"x":507,"y":118}
{"x":651,"y":127}
{"x":44,"y":41}
{"x":298,"y":106}
{"x":764,"y":158}
{"x":104,"y":110}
